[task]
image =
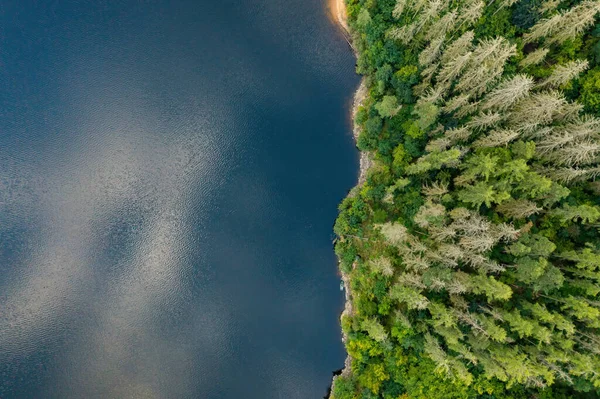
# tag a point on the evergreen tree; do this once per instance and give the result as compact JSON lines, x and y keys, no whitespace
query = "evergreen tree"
{"x":564,"y":73}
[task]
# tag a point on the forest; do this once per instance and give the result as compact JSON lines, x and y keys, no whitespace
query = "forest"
{"x":473,"y":248}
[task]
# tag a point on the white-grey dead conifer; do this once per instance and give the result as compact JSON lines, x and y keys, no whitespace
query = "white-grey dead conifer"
{"x":536,"y":110}
{"x":486,"y":66}
{"x":399,"y":8}
{"x":431,"y":11}
{"x":431,"y":52}
{"x":433,"y":94}
{"x":394,"y":233}
{"x":441,"y":26}
{"x":562,"y":74}
{"x":455,"y":103}
{"x":570,"y":112}
{"x":458,"y":134}
{"x":453,"y":68}
{"x":548,"y":5}
{"x":583,"y":152}
{"x":467,"y":110}
{"x":496,"y":138}
{"x":440,"y":144}
{"x":435,"y":189}
{"x":569,"y":175}
{"x":458,"y":47}
{"x":382,"y":265}
{"x":507,"y":93}
{"x":412,"y":280}
{"x":543,"y":28}
{"x":470,"y":12}
{"x":577,"y":20}
{"x":484,"y":121}
{"x":404,"y":34}
{"x":518,"y":208}
{"x":534,"y":58}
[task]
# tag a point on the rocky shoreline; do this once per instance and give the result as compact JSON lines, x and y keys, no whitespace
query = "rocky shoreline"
{"x":337,"y":8}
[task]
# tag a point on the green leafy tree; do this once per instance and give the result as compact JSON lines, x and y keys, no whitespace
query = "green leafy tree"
{"x":388,"y":106}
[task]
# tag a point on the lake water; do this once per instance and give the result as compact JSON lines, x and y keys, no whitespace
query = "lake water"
{"x":169,"y":176}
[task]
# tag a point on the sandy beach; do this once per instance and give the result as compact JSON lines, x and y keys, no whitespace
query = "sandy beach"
{"x":337,"y":11}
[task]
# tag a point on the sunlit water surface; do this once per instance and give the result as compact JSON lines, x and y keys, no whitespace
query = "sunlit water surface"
{"x":169,"y":176}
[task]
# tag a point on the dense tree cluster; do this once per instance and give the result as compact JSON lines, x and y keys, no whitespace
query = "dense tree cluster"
{"x":473,"y":248}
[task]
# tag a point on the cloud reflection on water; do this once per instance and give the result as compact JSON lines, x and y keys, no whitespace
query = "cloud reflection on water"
{"x":128,"y":167}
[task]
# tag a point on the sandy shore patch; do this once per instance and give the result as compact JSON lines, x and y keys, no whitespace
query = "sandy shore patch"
{"x":337,"y":12}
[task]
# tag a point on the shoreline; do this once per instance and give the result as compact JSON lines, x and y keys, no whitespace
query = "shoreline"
{"x":337,"y":11}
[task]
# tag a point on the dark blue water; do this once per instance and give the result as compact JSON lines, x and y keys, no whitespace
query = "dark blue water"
{"x":169,"y":177}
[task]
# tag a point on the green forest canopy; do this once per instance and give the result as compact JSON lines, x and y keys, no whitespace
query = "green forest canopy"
{"x":473,"y":248}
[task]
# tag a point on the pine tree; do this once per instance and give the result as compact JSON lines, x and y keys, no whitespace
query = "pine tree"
{"x":480,"y":165}
{"x":548,"y":5}
{"x":455,"y":103}
{"x":431,"y":52}
{"x":581,"y":310}
{"x":587,"y":258}
{"x":508,"y":93}
{"x":496,"y":138}
{"x":399,"y":8}
{"x":470,"y":12}
{"x":518,"y":208}
{"x":484,"y":121}
{"x":481,"y":193}
{"x":382,"y":265}
{"x":534,"y":58}
{"x":543,"y":28}
{"x":585,"y":213}
{"x":567,"y":25}
{"x":492,"y":288}
{"x":374,"y":329}
{"x":411,"y":297}
{"x":576,"y":21}
{"x":505,"y":4}
{"x":571,"y":175}
{"x":536,"y":110}
{"x":436,"y":353}
{"x":441,"y":27}
{"x":403,"y":34}
{"x":564,"y":73}
{"x":459,"y":47}
{"x":581,"y":152}
{"x":485,"y":67}
{"x":394,"y":233}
